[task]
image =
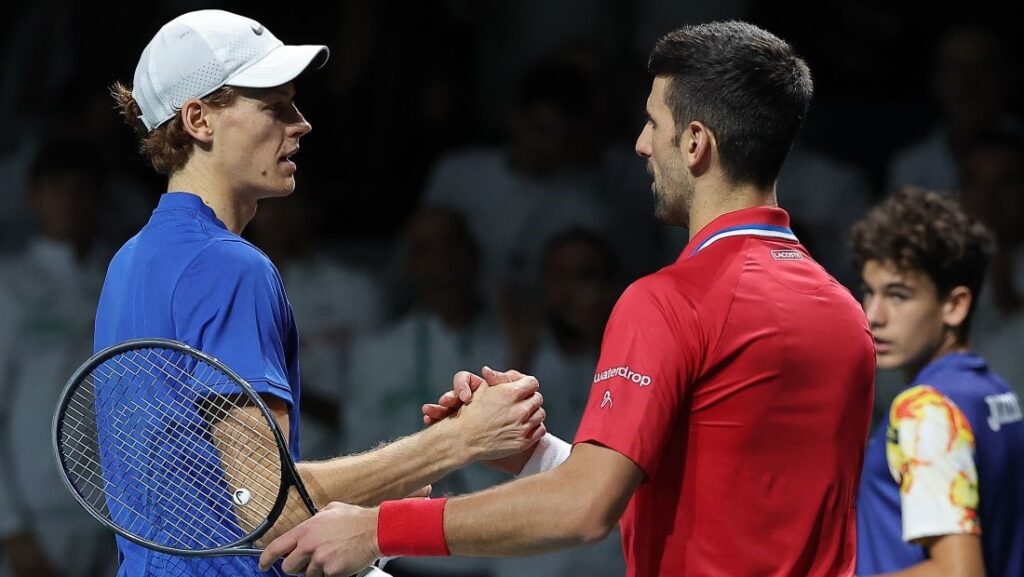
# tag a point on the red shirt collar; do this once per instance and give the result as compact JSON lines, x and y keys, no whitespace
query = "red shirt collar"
{"x":768,"y":218}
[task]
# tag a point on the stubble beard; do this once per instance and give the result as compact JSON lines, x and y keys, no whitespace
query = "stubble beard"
{"x":671,"y":207}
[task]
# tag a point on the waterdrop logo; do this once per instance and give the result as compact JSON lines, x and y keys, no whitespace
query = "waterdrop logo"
{"x":625,"y":372}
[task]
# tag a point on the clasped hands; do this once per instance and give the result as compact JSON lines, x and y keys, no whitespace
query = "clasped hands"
{"x":499,"y":418}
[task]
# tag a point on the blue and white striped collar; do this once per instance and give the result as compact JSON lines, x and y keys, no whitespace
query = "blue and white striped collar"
{"x":765,"y":230}
{"x":762,"y":221}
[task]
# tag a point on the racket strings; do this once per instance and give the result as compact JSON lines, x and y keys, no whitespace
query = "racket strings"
{"x":171,"y":450}
{"x":267,"y":483}
{"x":87,"y":460}
{"x":249,"y":422}
{"x":201,"y":461}
{"x":129,"y":468}
{"x":100,"y":491}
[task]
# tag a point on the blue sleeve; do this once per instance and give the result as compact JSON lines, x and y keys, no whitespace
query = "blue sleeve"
{"x":230,"y":303}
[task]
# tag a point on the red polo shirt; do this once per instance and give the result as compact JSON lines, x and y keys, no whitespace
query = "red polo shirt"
{"x":740,"y":380}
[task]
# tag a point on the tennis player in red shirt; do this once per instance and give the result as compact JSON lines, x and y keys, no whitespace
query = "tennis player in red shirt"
{"x":729,"y":410}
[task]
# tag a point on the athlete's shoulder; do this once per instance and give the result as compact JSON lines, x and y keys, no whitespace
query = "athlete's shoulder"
{"x":224,"y":262}
{"x":670,"y":284}
{"x":127,"y":248}
{"x":656,"y":299}
{"x":963,"y":376}
{"x":233,"y":251}
{"x":912,"y":401}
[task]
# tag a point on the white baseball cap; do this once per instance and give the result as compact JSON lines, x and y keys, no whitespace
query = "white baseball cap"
{"x":199,"y":52}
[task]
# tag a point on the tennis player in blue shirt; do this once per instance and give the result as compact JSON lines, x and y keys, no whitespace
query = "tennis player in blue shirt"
{"x":942,"y":491}
{"x":213,"y":104}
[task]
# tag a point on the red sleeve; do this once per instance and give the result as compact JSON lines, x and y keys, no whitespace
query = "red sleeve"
{"x":648,"y":359}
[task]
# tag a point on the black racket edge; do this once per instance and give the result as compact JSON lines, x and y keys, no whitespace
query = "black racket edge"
{"x":289,"y":473}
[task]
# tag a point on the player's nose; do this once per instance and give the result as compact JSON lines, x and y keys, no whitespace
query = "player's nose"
{"x":643,"y":142}
{"x":300,"y":126}
{"x":874,"y":310}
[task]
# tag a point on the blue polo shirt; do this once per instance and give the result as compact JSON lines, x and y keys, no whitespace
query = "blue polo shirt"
{"x":988,"y":492}
{"x":185,"y":276}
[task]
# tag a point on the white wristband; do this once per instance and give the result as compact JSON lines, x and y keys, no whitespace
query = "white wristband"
{"x":550,"y":453}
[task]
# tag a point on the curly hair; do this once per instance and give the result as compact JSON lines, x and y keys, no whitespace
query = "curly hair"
{"x":921,"y":230}
{"x":168,"y":146}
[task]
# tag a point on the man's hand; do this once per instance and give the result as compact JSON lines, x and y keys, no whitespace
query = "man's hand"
{"x":465,"y":384}
{"x":502,"y":419}
{"x":336,"y":542}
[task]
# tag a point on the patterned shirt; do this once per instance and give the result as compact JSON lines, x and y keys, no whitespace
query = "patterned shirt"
{"x":948,"y":460}
{"x":930,"y":451}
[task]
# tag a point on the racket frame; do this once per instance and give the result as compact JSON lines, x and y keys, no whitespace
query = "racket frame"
{"x":289,"y":474}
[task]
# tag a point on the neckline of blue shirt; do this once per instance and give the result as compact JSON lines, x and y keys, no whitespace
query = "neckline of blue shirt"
{"x":180,"y":200}
{"x":955,"y":360}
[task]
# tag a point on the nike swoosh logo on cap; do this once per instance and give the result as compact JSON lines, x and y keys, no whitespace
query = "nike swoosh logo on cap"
{"x":257,"y":28}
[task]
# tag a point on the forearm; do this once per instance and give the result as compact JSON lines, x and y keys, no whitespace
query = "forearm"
{"x":578,"y":502}
{"x":949,"y":556}
{"x":928,"y":568}
{"x":534,"y":515}
{"x":392,"y":471}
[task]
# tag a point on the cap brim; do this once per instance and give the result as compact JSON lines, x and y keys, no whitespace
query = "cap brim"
{"x":280,"y":66}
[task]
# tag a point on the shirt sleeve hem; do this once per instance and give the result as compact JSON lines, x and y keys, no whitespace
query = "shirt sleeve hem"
{"x":911,"y":536}
{"x":267,"y":386}
{"x":614,"y":446}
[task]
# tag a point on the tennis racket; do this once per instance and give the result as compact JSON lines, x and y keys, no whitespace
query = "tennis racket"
{"x":172,"y":450}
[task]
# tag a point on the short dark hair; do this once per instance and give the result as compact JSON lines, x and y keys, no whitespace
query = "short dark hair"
{"x":746,"y":85}
{"x":926,"y":231}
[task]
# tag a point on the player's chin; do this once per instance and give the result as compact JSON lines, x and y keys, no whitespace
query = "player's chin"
{"x":282,"y":187}
{"x":888,"y":360}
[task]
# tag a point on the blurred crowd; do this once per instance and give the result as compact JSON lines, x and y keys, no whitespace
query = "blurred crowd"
{"x":469,"y":196}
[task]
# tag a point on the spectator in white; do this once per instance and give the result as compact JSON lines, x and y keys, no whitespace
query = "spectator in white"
{"x":393,"y":371}
{"x":49,"y":293}
{"x":580,"y":284}
{"x":531,"y":183}
{"x":972,"y":83}
{"x":332,"y":301}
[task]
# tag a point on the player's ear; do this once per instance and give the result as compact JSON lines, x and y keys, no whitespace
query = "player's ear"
{"x":195,"y":119}
{"x":697,"y":144}
{"x":956,"y":306}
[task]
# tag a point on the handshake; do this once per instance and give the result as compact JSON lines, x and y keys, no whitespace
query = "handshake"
{"x":497,"y":417}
